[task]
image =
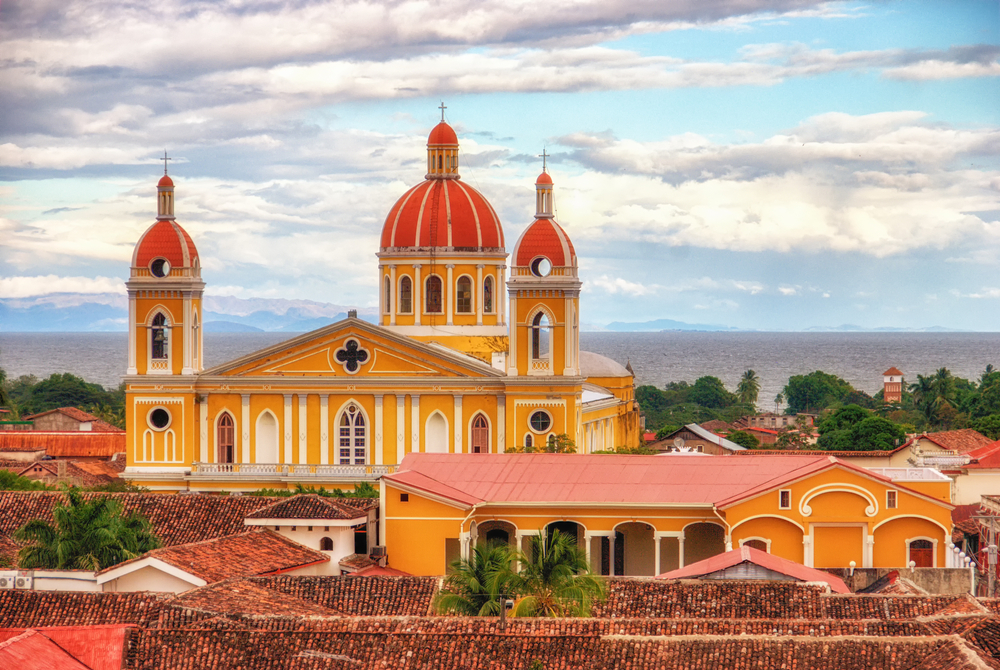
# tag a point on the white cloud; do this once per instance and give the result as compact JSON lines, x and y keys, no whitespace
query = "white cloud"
{"x":618,"y":285}
{"x":27,"y":287}
{"x":788,"y":290}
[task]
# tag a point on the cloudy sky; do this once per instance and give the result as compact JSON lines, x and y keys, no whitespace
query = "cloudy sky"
{"x":768,"y":164}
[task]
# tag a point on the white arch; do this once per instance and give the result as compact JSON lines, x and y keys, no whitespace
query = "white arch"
{"x":369,"y":431}
{"x":472,"y":293}
{"x":947,"y":532}
{"x":765,"y":540}
{"x":170,"y":444}
{"x":489,"y":431}
{"x":839,"y":487}
{"x":156,"y":309}
{"x":694,"y":523}
{"x":563,"y":520}
{"x":934,"y":548}
{"x":260,"y":448}
{"x":436,"y":414}
{"x":541,"y":307}
{"x":148,"y":444}
{"x":769,"y":516}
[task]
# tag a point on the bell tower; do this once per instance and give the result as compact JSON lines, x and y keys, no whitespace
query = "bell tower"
{"x":544,"y":295}
{"x":164,"y":295}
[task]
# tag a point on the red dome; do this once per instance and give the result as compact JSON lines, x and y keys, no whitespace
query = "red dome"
{"x":545,"y":238}
{"x":544,"y":178}
{"x":442,"y":134}
{"x":442,"y":213}
{"x":165,"y":239}
{"x":165,"y":181}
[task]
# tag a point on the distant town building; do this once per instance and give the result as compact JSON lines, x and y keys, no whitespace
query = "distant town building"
{"x":774,"y":421}
{"x":892,"y":385}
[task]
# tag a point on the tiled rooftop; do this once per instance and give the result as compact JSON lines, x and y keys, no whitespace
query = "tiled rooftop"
{"x":252,"y":553}
{"x":73,"y":444}
{"x":309,"y":506}
{"x":31,"y":609}
{"x":962,"y":441}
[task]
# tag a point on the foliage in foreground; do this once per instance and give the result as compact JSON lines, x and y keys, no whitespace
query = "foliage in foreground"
{"x":10,"y":481}
{"x":554,"y":580}
{"x":85,"y":535}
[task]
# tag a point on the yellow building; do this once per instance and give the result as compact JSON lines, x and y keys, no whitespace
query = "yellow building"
{"x":453,"y":366}
{"x":646,"y":515}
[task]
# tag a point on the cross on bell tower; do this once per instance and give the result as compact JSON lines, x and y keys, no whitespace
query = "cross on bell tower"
{"x":165,"y":159}
{"x":442,"y":108}
{"x":544,"y":156}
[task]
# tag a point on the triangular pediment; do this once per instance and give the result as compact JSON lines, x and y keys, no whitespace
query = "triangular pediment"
{"x":354,"y":348}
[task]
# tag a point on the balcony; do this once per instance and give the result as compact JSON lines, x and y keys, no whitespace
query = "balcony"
{"x":294,"y":473}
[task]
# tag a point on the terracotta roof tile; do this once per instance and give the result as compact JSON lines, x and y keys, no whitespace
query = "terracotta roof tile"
{"x":64,"y":647}
{"x":242,"y":597}
{"x":98,"y":424}
{"x":309,"y":506}
{"x":962,"y":441}
{"x":70,"y":444}
{"x":257,"y":552}
{"x":29,"y":609}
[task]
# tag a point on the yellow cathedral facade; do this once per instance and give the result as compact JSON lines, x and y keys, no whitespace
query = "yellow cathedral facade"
{"x":452,"y":366}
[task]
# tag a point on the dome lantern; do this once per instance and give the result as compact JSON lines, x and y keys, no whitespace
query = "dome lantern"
{"x":442,"y":151}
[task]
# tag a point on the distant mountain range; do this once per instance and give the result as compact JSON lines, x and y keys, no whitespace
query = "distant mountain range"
{"x":78,"y":312}
{"x":75,"y":312}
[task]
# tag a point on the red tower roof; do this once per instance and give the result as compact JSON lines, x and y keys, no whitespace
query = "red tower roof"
{"x":545,"y":238}
{"x":165,"y":181}
{"x":544,"y":178}
{"x":893,"y":371}
{"x":442,"y":213}
{"x":165,"y":239}
{"x":442,"y":134}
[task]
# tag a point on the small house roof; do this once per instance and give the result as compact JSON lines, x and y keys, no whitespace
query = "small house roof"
{"x":308,"y":506}
{"x":893,"y":372}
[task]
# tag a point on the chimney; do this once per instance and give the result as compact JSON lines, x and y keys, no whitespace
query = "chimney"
{"x":61,"y":469}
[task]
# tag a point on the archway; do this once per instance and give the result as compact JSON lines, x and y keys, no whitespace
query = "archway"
{"x":494,"y":530}
{"x":266,"y":442}
{"x":703,"y":540}
{"x":226,"y":438}
{"x":436,"y":434}
{"x":638,"y":549}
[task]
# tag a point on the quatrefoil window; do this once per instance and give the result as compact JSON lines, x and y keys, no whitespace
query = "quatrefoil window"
{"x":351,"y":355}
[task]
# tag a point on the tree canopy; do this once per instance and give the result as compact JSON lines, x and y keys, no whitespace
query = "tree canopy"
{"x":814,"y":391}
{"x":854,"y":428}
{"x":744,"y":439}
{"x":748,"y":388}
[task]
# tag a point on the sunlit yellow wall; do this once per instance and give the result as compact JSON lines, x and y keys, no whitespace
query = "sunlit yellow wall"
{"x":528,"y":301}
{"x":415,"y":532}
{"x":890,"y":541}
{"x":786,"y":537}
{"x":837,"y":546}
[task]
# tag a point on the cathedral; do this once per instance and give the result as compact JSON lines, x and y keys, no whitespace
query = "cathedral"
{"x":452,"y":366}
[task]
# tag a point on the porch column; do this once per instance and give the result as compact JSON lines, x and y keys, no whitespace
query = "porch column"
{"x":611,"y":555}
{"x":303,"y":427}
{"x":501,"y":423}
{"x":500,"y":293}
{"x":869,"y":556}
{"x":479,"y":298}
{"x":418,"y":305}
{"x":680,"y":551}
{"x":512,"y":353}
{"x":729,"y":542}
{"x":378,"y":427}
{"x":324,"y":428}
{"x":464,"y":538}
{"x":459,"y":428}
{"x":288,"y":428}
{"x":393,"y":300}
{"x":400,"y":427}
{"x":450,"y":292}
{"x":807,"y":550}
{"x":587,"y":540}
{"x":415,"y":423}
{"x":656,"y":553}
{"x":245,"y":428}
{"x":203,"y":405}
{"x":518,"y":538}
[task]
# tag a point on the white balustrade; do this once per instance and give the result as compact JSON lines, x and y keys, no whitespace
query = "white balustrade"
{"x":316,"y":471}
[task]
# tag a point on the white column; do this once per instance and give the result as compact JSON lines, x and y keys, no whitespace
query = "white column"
{"x":611,"y":555}
{"x":132,"y":334}
{"x":303,"y":427}
{"x":512,"y":354}
{"x":324,"y":428}
{"x":381,"y":294}
{"x":450,"y":292}
{"x":203,"y":408}
{"x":288,"y":429}
{"x":587,"y":541}
{"x":245,"y":427}
{"x":418,"y":301}
{"x":568,"y":337}
{"x":378,"y":429}
{"x":518,"y":542}
{"x":464,"y":538}
{"x":400,"y":426}
{"x":459,"y":427}
{"x":729,"y":542}
{"x":479,"y":298}
{"x":656,"y":554}
{"x":186,"y":367}
{"x":500,"y":294}
{"x":393,"y":299}
{"x":415,"y":423}
{"x":807,"y":550}
{"x":680,"y":552}
{"x":869,"y":557}
{"x":501,"y":423}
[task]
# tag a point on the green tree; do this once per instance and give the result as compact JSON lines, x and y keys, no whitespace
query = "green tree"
{"x":555,"y":579}
{"x":474,"y":586}
{"x":744,"y":439}
{"x":86,"y":535}
{"x":748,"y":388}
{"x":711,"y":392}
{"x":876,"y":434}
{"x":844,"y":418}
{"x":988,"y":425}
{"x":10,"y":481}
{"x":814,"y":391}
{"x":64,"y":390}
{"x":792,"y":439}
{"x":778,"y":401}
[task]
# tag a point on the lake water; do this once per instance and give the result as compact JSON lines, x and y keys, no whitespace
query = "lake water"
{"x":657,"y":358}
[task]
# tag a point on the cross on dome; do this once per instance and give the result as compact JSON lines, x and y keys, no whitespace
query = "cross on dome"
{"x":442,"y":108}
{"x":544,"y":156}
{"x":165,"y":159}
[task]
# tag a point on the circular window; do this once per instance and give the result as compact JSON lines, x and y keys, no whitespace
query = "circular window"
{"x":159,"y":418}
{"x":541,"y":267}
{"x":540,"y":421}
{"x":160,"y":267}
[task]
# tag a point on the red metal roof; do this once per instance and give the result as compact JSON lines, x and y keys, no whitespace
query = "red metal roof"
{"x":165,"y":239}
{"x":70,"y":444}
{"x":984,"y":458}
{"x":544,"y":237}
{"x":576,"y":478}
{"x":442,"y":134}
{"x":763,"y":559}
{"x":442,"y":213}
{"x":63,"y":648}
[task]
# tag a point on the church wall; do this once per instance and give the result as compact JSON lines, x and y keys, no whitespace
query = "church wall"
{"x":890,"y":547}
{"x":785,"y":537}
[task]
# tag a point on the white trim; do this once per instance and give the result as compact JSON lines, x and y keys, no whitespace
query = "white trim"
{"x":839,"y":487}
{"x":866,"y":545}
{"x":934,"y":548}
{"x":256,"y":436}
{"x":896,"y":501}
{"x":149,"y":419}
{"x":489,"y":431}
{"x":765,"y":540}
{"x":911,"y":516}
{"x":336,"y":432}
{"x":548,"y":429}
{"x":423,"y":305}
{"x":472,"y":293}
{"x":214,"y":442}
{"x":447,"y":432}
{"x":789,"y":492}
{"x":399,"y":292}
{"x":149,"y":562}
{"x":769,"y":516}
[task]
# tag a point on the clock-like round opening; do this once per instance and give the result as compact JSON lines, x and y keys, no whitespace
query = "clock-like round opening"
{"x":160,"y":267}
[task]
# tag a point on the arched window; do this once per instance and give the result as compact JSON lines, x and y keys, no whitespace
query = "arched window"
{"x":433,"y":295}
{"x":488,"y":295}
{"x":759,"y":545}
{"x":463,"y":296}
{"x":326,"y":544}
{"x":551,"y":442}
{"x":528,"y":443}
{"x":353,"y":437}
{"x":227,"y":439}
{"x":160,"y":338}
{"x":480,"y":435}
{"x":540,"y":328}
{"x":387,"y":295}
{"x":405,"y":295}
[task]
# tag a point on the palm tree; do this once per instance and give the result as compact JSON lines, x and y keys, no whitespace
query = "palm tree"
{"x":748,"y":388}
{"x":923,"y":395}
{"x":475,"y":586}
{"x":87,"y":535}
{"x":778,"y":400}
{"x":555,"y":579}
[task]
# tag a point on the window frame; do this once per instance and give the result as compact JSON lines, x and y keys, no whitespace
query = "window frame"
{"x":428,"y":293}
{"x":219,"y":426}
{"x":489,"y":307}
{"x":781,"y":503}
{"x":547,"y":428}
{"x":352,"y":436}
{"x":471,"y":295}
{"x":893,"y":495}
{"x":399,"y":291}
